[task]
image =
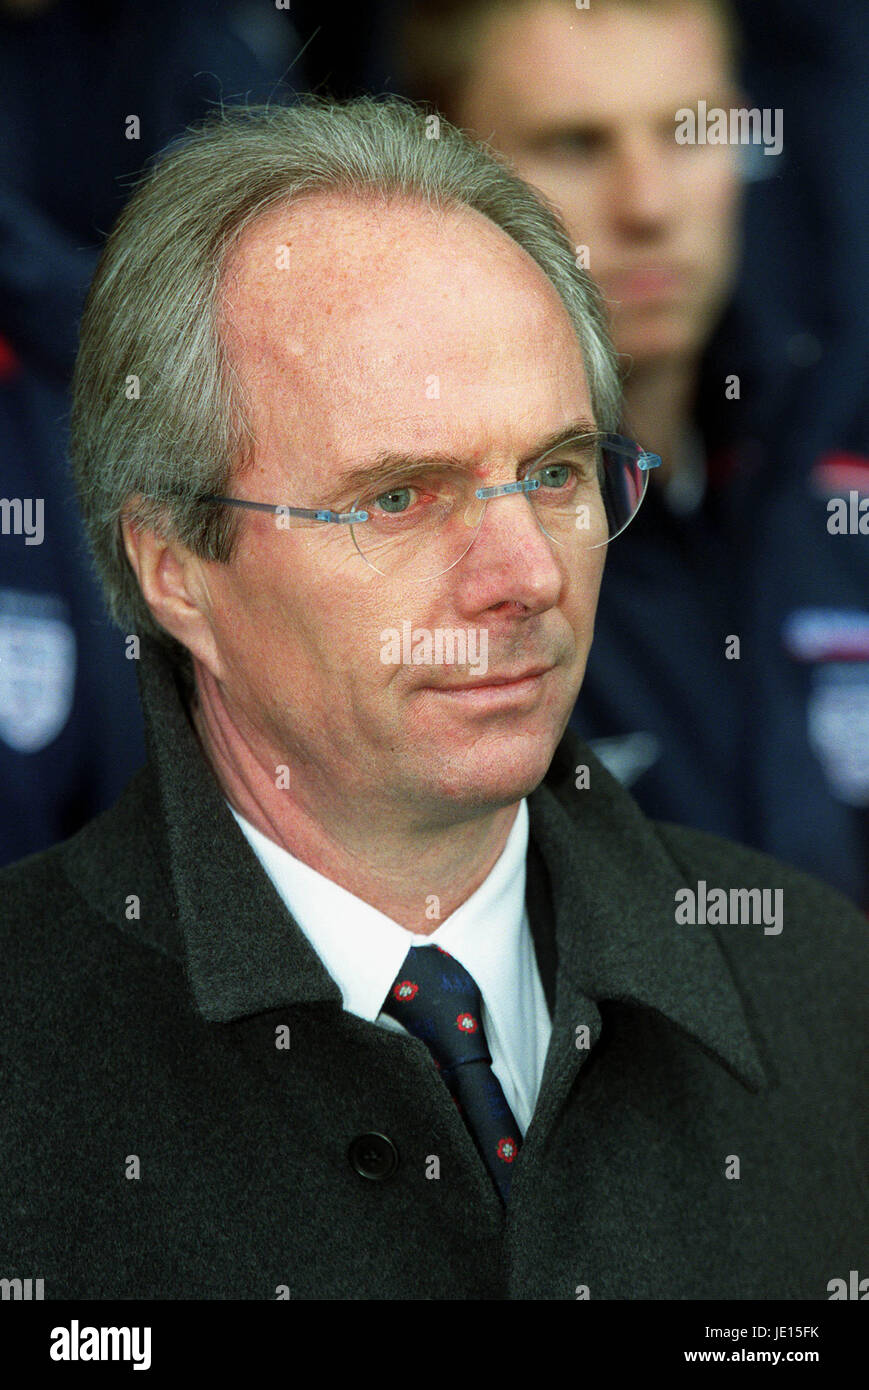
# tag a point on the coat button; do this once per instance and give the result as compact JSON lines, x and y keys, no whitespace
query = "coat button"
{"x":373,"y":1156}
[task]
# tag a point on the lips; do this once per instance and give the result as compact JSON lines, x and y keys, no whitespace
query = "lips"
{"x":644,"y":282}
{"x":491,"y":681}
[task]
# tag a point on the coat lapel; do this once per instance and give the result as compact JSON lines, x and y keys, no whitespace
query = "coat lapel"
{"x":613,"y":885}
{"x":244,"y":952}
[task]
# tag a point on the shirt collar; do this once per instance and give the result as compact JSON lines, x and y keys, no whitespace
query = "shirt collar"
{"x":364,"y":950}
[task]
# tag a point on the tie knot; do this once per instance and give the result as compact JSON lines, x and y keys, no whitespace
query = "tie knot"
{"x":437,"y":1000}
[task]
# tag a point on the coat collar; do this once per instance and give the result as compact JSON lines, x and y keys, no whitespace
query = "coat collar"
{"x":613,"y":884}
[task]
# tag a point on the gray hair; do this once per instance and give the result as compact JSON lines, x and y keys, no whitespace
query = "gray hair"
{"x":157,"y":414}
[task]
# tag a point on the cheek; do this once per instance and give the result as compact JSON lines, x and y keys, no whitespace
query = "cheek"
{"x":309,"y":625}
{"x":573,"y":192}
{"x":594,"y":583}
{"x":583,"y":207}
{"x":585,"y":591}
{"x":718,"y":201}
{"x":254,"y":621}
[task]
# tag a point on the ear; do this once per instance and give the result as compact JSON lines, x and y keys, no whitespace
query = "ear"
{"x":174,"y":585}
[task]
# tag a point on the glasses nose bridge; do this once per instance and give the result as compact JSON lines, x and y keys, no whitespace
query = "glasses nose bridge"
{"x":475,"y":504}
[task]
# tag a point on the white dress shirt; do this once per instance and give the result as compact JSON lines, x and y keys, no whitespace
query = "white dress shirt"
{"x":489,"y":934}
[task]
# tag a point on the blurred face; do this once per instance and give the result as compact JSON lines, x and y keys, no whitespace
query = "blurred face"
{"x":583,"y":102}
{"x":404,"y":331}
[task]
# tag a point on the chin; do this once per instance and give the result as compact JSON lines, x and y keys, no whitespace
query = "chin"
{"x":655,"y":338}
{"x":497,"y":772}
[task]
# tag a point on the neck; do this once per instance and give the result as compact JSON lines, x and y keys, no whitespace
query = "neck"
{"x":659,"y":402}
{"x":415,"y":875}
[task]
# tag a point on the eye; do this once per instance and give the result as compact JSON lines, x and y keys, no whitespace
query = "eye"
{"x":555,"y":475}
{"x":394,"y":502}
{"x":418,"y":497}
{"x":582,"y":142}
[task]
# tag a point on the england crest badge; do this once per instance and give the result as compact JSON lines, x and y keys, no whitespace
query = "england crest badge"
{"x":37,"y":669}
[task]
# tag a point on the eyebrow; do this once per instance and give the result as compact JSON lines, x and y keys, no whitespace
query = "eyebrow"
{"x":387,"y":463}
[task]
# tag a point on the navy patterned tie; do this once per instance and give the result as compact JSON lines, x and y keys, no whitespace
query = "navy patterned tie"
{"x":437,"y":1001}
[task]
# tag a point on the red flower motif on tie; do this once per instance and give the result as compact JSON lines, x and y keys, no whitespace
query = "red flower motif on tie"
{"x":405,"y":989}
{"x":466,"y":1023}
{"x":507,"y":1150}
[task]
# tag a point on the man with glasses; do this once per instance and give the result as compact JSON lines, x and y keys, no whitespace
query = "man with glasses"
{"x":375,"y":984}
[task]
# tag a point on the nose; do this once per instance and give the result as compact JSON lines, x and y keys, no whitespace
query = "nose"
{"x":643,"y":189}
{"x":511,"y":559}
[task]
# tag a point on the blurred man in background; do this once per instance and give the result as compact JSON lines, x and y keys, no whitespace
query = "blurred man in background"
{"x":745,"y":706}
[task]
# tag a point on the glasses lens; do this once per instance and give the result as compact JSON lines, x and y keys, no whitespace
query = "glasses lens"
{"x":590,"y":489}
{"x":422,"y":524}
{"x":568,"y":500}
{"x":623,"y":483}
{"x":419,"y":526}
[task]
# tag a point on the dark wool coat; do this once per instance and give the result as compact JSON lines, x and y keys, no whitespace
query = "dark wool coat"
{"x":708,"y":1142}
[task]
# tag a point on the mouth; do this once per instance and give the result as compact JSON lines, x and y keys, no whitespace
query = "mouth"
{"x":645,"y":282}
{"x":516,"y":679}
{"x":495,"y":689}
